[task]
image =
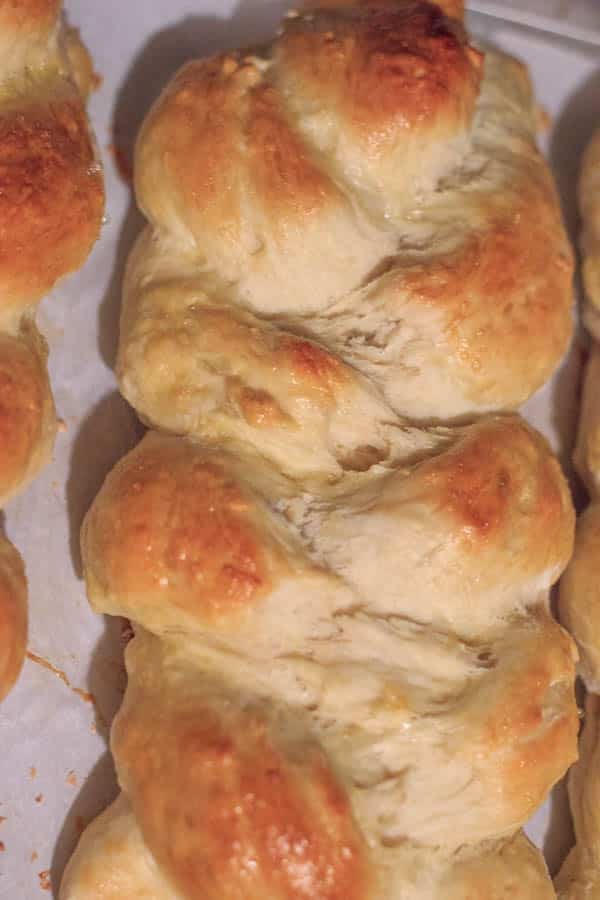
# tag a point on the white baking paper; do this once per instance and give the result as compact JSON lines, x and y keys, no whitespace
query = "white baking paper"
{"x":55,"y":770}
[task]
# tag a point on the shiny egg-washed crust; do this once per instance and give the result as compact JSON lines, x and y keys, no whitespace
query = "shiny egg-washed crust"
{"x":345,"y":682}
{"x":579,"y":878}
{"x":51,"y":203}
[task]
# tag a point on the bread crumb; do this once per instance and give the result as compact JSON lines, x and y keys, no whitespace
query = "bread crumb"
{"x":2,"y":819}
{"x":34,"y":856}
{"x":32,"y":772}
{"x":45,"y":880}
{"x":72,"y":778}
{"x":39,"y":798}
{"x":61,"y":426}
{"x":2,"y":847}
{"x":85,"y":695}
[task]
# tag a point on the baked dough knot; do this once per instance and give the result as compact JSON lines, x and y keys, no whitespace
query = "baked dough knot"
{"x":345,"y":681}
{"x":51,"y":204}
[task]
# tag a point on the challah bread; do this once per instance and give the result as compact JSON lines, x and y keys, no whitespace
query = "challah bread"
{"x":51,"y":202}
{"x":345,"y":681}
{"x":579,"y":879}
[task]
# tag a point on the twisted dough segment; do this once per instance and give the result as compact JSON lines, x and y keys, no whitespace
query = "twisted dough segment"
{"x":398,"y":213}
{"x":345,"y":681}
{"x":579,"y":879}
{"x":51,"y":201}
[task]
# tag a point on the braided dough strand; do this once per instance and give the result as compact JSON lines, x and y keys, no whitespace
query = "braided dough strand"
{"x":51,"y":202}
{"x":345,"y":681}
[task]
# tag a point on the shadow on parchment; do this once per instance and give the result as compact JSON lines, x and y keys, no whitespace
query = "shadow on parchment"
{"x":105,"y":435}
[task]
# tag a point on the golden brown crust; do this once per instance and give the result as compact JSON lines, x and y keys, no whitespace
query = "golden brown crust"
{"x":527,"y":245}
{"x":181,"y":116}
{"x":51,"y":198}
{"x":28,"y":13}
{"x":13,"y":616}
{"x":27,"y":420}
{"x":489,"y":477}
{"x":291,"y":186}
{"x":174,"y":526}
{"x":384,"y":67}
{"x":220,"y":804}
{"x":110,"y":864}
{"x":219,"y":106}
{"x":537,"y":720}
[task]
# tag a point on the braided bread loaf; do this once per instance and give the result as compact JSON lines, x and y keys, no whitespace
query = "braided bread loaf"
{"x":51,"y":203}
{"x":579,"y":879}
{"x":345,"y":681}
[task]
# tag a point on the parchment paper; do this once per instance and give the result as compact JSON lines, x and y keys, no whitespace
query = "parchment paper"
{"x":55,"y":772}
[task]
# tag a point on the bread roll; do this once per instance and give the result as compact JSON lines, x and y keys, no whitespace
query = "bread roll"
{"x":579,"y":879}
{"x":51,"y":202}
{"x":345,"y":681}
